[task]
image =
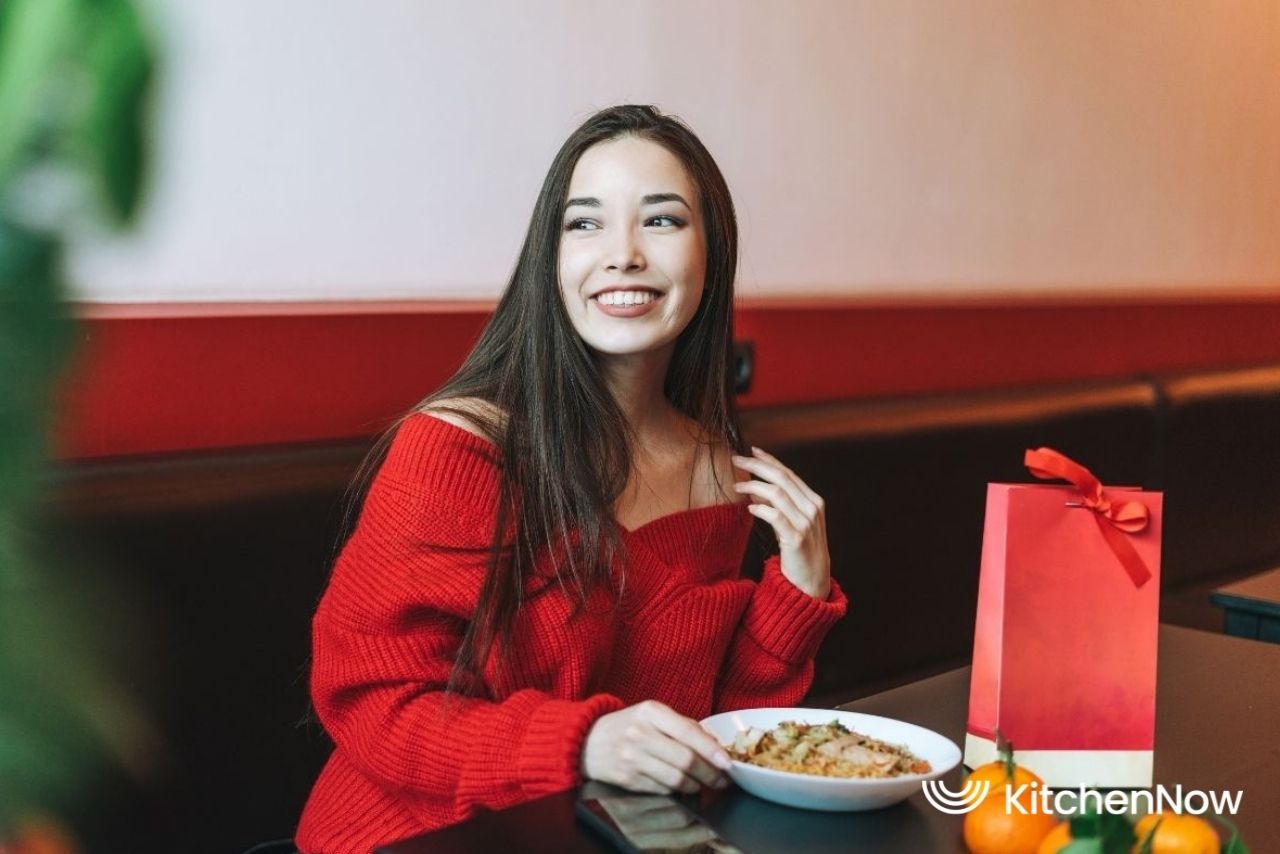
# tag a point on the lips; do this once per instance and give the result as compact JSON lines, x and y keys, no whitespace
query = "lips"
{"x":626,"y":301}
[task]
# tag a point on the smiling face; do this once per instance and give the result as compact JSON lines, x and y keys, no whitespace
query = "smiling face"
{"x":633,"y":255}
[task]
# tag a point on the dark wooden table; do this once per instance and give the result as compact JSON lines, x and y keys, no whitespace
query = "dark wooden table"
{"x":1252,"y":606}
{"x":1216,"y":728}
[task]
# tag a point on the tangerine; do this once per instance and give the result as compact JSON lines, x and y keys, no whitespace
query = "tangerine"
{"x":1178,"y":834}
{"x":991,"y":828}
{"x":1056,"y":840}
{"x":998,"y":775}
{"x":1004,"y":771}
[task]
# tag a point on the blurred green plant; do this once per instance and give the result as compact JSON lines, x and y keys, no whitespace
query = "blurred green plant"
{"x":74,"y":82}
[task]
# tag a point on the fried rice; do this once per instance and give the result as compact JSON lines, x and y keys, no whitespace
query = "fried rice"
{"x":826,"y":750}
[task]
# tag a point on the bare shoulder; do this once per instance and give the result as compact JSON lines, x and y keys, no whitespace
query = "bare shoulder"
{"x":472,"y":414}
{"x":726,"y":471}
{"x":715,"y":462}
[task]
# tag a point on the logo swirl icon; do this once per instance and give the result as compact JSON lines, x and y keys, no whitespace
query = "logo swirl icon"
{"x":955,"y":803}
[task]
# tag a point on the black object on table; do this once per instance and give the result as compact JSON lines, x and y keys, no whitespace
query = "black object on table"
{"x":1252,"y":607}
{"x":1215,"y":730}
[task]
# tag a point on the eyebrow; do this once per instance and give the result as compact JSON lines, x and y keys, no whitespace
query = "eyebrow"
{"x":651,"y":199}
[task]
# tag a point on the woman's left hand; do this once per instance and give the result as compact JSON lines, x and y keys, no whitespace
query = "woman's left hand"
{"x":797,"y":516}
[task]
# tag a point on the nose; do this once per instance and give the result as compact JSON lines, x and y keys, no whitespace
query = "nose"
{"x":623,"y":254}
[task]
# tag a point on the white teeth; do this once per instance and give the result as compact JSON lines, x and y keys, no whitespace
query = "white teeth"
{"x":626,"y":298}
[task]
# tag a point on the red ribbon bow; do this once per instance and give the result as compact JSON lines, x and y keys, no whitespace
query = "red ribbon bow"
{"x":1113,"y":517}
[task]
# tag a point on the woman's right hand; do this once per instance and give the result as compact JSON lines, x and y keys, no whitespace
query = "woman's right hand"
{"x":650,"y":747}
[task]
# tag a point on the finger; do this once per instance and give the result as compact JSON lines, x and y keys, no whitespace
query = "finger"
{"x":775,"y":496}
{"x":782,"y":529}
{"x":779,"y":475}
{"x":636,"y":780}
{"x":689,"y":733}
{"x":685,"y":760}
{"x":645,"y":784}
{"x":666,"y":776}
{"x":796,"y":479}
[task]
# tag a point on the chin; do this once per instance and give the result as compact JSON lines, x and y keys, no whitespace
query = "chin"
{"x":625,"y":349}
{"x":626,"y":345}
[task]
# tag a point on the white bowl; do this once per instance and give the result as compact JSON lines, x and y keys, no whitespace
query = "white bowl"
{"x":834,"y":794}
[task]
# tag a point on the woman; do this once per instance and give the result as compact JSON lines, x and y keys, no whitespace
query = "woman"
{"x":543,"y":584}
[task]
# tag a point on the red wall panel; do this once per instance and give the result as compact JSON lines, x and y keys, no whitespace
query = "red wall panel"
{"x":176,"y":378}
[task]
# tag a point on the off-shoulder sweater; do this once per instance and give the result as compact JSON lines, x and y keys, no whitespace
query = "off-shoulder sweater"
{"x":686,"y":630}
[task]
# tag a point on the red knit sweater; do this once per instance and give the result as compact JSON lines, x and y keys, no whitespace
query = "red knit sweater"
{"x":687,"y":631}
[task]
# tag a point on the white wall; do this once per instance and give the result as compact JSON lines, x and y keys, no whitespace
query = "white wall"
{"x":393,"y":148}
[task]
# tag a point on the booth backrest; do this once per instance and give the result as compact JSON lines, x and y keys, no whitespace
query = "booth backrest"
{"x":221,"y":593}
{"x":1221,"y":473}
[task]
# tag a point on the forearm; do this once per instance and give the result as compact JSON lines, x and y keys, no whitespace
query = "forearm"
{"x":389,"y":714}
{"x":770,"y":659}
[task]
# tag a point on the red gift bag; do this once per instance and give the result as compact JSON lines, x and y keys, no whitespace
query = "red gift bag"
{"x":1064,"y":653}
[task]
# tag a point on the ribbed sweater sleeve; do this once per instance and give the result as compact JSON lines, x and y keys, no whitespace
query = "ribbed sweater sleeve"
{"x":770,"y":659}
{"x":390,"y":623}
{"x":384,"y":707}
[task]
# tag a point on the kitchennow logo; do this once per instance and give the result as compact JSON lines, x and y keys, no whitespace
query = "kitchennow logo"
{"x":955,"y":803}
{"x":1031,"y":798}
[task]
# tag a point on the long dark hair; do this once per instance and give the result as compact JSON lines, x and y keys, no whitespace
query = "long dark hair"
{"x":560,"y":434}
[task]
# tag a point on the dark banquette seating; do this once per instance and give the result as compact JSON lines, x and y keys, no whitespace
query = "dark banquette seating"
{"x":221,"y":558}
{"x":905,"y":485}
{"x":1220,"y":470}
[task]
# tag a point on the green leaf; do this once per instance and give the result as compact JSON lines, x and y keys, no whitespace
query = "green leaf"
{"x":1086,"y":826}
{"x":61,"y":711}
{"x":1083,"y":846}
{"x":1117,"y":835}
{"x":119,"y":60}
{"x":35,"y":35}
{"x":1235,"y":845}
{"x":34,"y":333}
{"x":1112,"y":833}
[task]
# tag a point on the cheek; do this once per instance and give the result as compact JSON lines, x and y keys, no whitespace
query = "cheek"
{"x":692,"y":258}
{"x":569,"y":270}
{"x":689,"y":306}
{"x":692,"y":266}
{"x":564,"y":258}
